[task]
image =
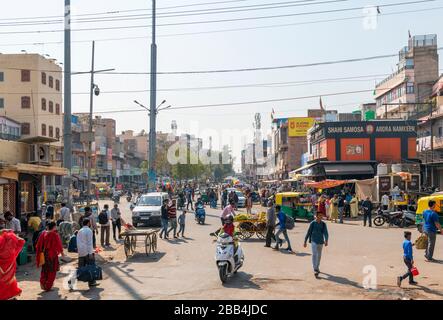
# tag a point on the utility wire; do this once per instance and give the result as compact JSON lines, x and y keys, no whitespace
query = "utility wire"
{"x":236,"y":70}
{"x":218,"y":31}
{"x":270,"y":85}
{"x":215,"y":21}
{"x":173,"y":14}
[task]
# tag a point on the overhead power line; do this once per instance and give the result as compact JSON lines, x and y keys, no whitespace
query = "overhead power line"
{"x":217,"y":21}
{"x":221,"y":30}
{"x":237,"y":9}
{"x":251,"y":85}
{"x":235,"y":70}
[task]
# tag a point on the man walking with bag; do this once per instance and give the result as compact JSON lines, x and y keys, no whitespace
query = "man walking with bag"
{"x":116,"y":222}
{"x":282,"y":218}
{"x":430,"y":228}
{"x":84,"y":247}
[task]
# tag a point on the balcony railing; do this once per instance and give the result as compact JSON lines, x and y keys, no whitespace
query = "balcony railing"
{"x":428,"y":157}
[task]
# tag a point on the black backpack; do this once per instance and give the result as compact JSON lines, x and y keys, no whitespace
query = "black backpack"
{"x":103,"y":217}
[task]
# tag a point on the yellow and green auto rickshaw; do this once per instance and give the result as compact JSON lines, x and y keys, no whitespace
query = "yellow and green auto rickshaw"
{"x":422,"y":205}
{"x":296,"y":205}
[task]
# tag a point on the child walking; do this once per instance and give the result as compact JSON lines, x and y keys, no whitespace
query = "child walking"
{"x":181,"y":223}
{"x":408,"y":260}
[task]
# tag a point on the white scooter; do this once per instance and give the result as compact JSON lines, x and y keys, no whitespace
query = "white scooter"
{"x":227,"y":261}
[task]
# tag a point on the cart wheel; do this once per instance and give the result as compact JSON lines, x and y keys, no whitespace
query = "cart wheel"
{"x":154,"y":242}
{"x":148,"y":245}
{"x":133,"y":243}
{"x":261,"y":230}
{"x":127,"y":245}
{"x":246,"y":230}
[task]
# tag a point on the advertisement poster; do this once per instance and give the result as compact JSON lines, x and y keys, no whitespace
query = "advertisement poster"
{"x":298,"y":127}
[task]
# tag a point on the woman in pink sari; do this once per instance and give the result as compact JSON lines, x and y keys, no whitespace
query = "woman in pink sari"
{"x":10,"y":247}
{"x":50,"y":244}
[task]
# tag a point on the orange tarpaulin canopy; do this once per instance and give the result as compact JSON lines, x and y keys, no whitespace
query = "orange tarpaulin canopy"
{"x":325,"y":184}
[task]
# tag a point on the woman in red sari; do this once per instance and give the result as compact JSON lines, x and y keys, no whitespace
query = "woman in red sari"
{"x":10,"y":247}
{"x":50,"y":244}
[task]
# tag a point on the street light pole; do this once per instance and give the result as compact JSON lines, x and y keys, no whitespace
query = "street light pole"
{"x":153,"y":102}
{"x":67,"y":131}
{"x":91,"y":108}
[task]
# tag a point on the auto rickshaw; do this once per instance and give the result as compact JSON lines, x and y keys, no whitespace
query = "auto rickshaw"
{"x":401,"y":202}
{"x":296,"y":205}
{"x":423,"y":205}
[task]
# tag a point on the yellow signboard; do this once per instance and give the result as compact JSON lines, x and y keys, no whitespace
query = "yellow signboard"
{"x":298,"y":127}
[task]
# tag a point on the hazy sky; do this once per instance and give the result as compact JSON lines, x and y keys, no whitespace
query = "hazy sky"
{"x":294,"y":44}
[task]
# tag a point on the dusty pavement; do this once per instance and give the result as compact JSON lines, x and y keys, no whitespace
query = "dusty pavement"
{"x":185,"y":269}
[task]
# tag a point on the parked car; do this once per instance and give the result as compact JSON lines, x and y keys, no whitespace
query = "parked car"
{"x":147,"y":210}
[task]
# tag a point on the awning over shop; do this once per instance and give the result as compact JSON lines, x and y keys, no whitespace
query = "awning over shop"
{"x":36,"y":169}
{"x":348,"y":169}
{"x":292,"y":173}
{"x":325,"y":184}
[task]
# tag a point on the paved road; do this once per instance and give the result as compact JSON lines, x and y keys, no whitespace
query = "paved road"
{"x":185,"y":268}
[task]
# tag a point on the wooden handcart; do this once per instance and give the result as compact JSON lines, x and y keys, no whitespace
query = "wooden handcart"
{"x":248,"y":228}
{"x":131,"y":237}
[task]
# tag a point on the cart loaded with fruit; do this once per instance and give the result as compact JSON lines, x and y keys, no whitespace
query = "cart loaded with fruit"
{"x":250,"y":224}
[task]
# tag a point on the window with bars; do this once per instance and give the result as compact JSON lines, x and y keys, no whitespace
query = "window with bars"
{"x":26,"y":128}
{"x":26,"y":75}
{"x":26,"y":102}
{"x":51,"y":82}
{"x":2,"y":103}
{"x":51,"y":106}
{"x":43,"y":78}
{"x":57,"y":109}
{"x":2,"y":77}
{"x":51,"y":131}
{"x":57,"y":133}
{"x":44,"y":104}
{"x":44,"y":130}
{"x":57,"y":85}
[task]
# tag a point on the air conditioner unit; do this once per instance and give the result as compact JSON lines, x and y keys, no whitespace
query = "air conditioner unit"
{"x":39,"y":154}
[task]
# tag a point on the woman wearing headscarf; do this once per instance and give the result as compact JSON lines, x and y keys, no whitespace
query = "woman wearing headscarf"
{"x":10,"y":247}
{"x":49,"y":247}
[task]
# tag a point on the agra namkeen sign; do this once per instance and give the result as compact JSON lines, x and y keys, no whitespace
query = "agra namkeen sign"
{"x":370,"y":128}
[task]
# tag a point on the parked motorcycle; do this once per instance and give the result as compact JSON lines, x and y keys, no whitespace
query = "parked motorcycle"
{"x":200,"y":214}
{"x":228,"y":259}
{"x":408,"y":219}
{"x":386,"y":216}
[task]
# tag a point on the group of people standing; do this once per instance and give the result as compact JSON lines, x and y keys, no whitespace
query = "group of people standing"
{"x":169,"y":219}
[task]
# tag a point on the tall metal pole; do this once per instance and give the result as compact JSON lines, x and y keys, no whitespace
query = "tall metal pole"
{"x":67,"y":133}
{"x":153,"y":104}
{"x":91,"y":108}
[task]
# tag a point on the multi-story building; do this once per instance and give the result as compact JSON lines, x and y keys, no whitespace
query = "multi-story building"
{"x":430,"y":139}
{"x":31,"y":94}
{"x":402,"y":95}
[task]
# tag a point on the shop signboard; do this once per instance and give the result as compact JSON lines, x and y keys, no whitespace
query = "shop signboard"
{"x":354,"y":149}
{"x":298,"y":127}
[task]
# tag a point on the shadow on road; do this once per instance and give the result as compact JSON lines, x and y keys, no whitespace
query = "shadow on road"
{"x":140,"y":257}
{"x":340,"y":280}
{"x":427,"y":290}
{"x":241,"y":280}
{"x":50,"y":295}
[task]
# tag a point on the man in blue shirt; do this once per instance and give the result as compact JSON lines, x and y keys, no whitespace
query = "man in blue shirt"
{"x":281,"y":216}
{"x":318,"y":236}
{"x":408,"y":260}
{"x":430,"y":228}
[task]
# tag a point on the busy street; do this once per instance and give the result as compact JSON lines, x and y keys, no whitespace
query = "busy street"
{"x":201,"y":152}
{"x":185,"y":268}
